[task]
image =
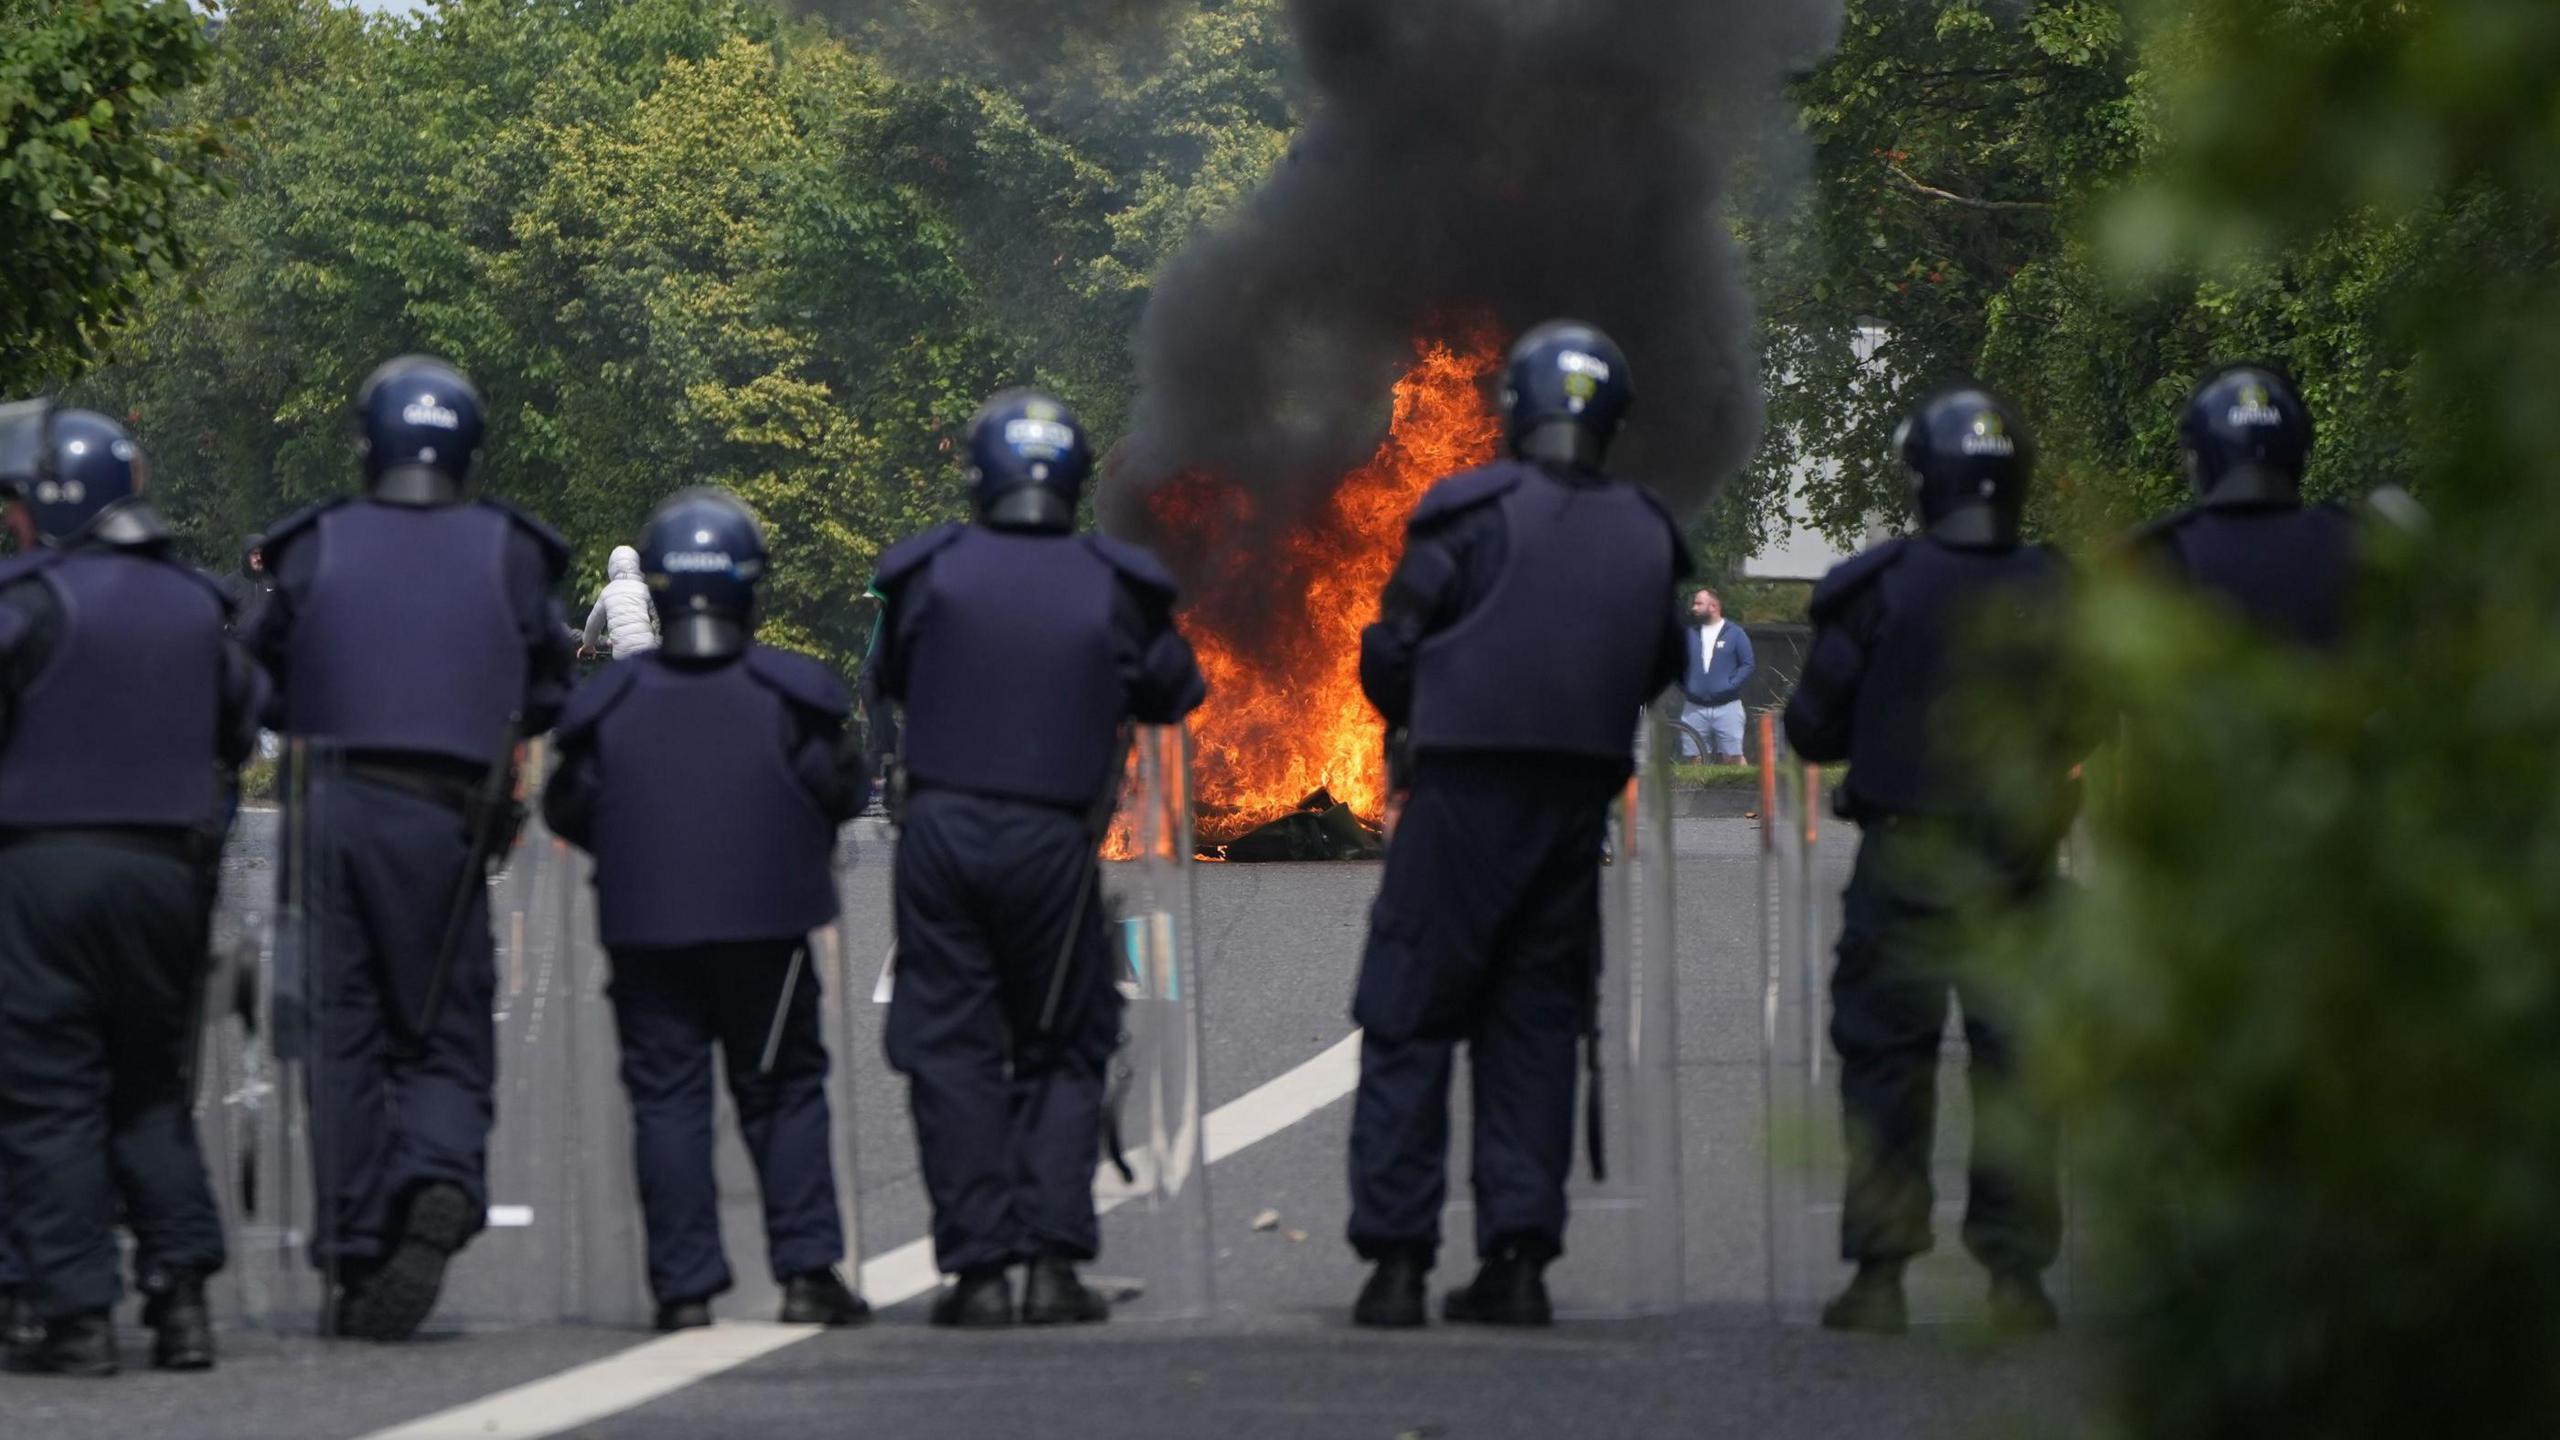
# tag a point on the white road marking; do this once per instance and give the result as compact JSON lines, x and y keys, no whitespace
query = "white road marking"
{"x":1274,"y":1106}
{"x":605,"y":1387}
{"x":1241,"y":1123}
{"x":658,"y":1368}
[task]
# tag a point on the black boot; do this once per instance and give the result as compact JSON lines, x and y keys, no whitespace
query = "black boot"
{"x":980,"y":1299}
{"x":400,"y":1296}
{"x":1052,"y":1295}
{"x":21,"y":1328}
{"x":1873,"y":1303}
{"x":1510,"y":1288}
{"x":181,"y":1325}
{"x":82,"y":1345}
{"x":820,"y":1297}
{"x":2019,"y":1305}
{"x":675,"y":1315}
{"x":1394,"y":1298}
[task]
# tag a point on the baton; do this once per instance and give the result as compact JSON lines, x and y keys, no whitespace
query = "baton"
{"x":782,"y":1010}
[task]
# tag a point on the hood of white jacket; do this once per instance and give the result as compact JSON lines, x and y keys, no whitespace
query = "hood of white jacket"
{"x":622,"y":564}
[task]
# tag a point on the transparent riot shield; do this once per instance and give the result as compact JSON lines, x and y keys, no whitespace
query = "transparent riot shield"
{"x":237,"y":1095}
{"x":254,"y":1111}
{"x":1807,"y":1167}
{"x":1157,"y":1230}
{"x":606,"y":1248}
{"x":1624,"y":1242}
{"x":1805,"y":861}
{"x":266,"y":1140}
{"x":521,"y":1268}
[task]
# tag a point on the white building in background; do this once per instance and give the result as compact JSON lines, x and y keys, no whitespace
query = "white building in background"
{"x":1802,"y":552}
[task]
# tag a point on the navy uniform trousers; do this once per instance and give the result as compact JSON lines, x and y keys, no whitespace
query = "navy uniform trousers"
{"x":1487,"y":930}
{"x":102,"y":960}
{"x":392,"y":1109}
{"x":1901,"y":957}
{"x":1008,"y":1122}
{"x":670,"y":1007}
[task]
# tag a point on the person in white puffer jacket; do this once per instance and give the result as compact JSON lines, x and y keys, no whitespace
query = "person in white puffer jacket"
{"x":624,"y":622}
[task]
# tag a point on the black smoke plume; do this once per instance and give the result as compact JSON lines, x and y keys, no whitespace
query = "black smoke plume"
{"x":1522,"y":159}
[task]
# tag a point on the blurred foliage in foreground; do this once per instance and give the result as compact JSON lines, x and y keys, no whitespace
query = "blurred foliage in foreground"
{"x":2309,"y":1021}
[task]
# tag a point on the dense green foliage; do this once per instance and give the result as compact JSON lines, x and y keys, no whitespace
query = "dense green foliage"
{"x":679,"y":242}
{"x":90,"y":169}
{"x":2306,"y":1022}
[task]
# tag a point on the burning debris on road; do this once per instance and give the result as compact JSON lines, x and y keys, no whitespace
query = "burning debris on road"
{"x":1468,"y":168}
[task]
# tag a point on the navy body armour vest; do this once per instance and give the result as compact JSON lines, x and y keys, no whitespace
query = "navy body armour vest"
{"x":2289,"y":570}
{"x":1013,"y":688}
{"x":703,"y":833}
{"x":122,"y":725}
{"x":407,"y":640}
{"x":1559,"y":656}
{"x":1946,"y":614}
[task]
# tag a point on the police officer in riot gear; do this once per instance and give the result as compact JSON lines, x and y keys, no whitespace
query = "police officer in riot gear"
{"x":413,"y":639}
{"x":125,"y":714}
{"x":1930,"y":673}
{"x":2249,"y":542}
{"x":1017,"y":649}
{"x":1531,"y":619}
{"x":708,"y":778}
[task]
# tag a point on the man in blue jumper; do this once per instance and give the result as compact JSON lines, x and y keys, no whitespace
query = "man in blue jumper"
{"x":1720,"y":665}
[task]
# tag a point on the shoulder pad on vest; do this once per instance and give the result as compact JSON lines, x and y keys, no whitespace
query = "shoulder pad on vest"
{"x":2157,"y":529}
{"x":799,"y":679}
{"x":1136,"y":564}
{"x":596,"y":697}
{"x":204,"y":581}
{"x":1853,"y":575}
{"x":908,"y":556}
{"x":20,"y":567}
{"x":555,"y":550}
{"x":294,"y":524}
{"x":2054,"y":561}
{"x":1464,"y":491}
{"x":1683,"y":563}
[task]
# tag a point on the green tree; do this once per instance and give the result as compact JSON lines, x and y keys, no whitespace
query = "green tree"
{"x":2307,"y":1017}
{"x":92,"y":173}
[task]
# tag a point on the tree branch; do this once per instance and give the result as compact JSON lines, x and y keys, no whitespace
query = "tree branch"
{"x":1949,"y":197}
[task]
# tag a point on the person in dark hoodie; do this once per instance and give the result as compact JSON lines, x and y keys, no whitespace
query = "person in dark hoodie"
{"x":708,"y":777}
{"x":126,"y":712}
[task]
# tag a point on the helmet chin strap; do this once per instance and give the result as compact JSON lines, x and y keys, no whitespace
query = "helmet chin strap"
{"x":2253,"y":485}
{"x":704,"y":635}
{"x":422,"y":485}
{"x":1974,"y":527}
{"x":1563,"y":444}
{"x":1035,"y":508}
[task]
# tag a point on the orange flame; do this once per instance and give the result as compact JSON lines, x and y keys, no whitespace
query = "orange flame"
{"x":1278,"y":631}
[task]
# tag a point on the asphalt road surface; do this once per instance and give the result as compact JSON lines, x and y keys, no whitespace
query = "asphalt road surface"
{"x":1273,"y":1356}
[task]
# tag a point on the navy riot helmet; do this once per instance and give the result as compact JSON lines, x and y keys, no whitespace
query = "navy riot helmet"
{"x":2247,"y":435}
{"x":1565,"y":393}
{"x":1028,"y":461}
{"x":69,"y":468}
{"x":704,"y":557}
{"x":1967,"y":459}
{"x":422,"y":423}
